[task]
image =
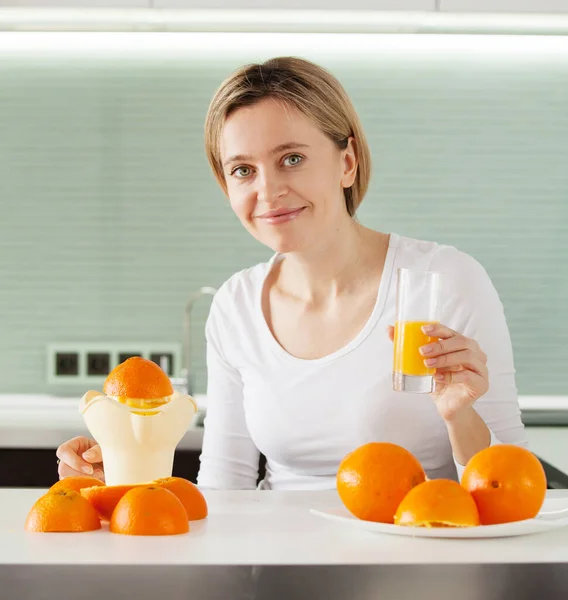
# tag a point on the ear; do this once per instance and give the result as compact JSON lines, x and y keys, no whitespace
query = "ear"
{"x":349,"y":163}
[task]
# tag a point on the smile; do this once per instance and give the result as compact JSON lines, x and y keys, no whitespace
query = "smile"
{"x":276,"y":217}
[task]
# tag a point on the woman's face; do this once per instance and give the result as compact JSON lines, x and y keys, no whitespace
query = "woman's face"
{"x":285,"y":178}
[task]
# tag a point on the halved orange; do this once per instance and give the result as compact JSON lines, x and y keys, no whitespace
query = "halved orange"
{"x":138,"y":378}
{"x":190,"y":495}
{"x":149,"y":510}
{"x":105,"y":498}
{"x":437,"y":503}
{"x":75,"y":483}
{"x":62,"y":511}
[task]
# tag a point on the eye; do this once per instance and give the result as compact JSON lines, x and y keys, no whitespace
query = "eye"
{"x":293,"y":159}
{"x":241,"y":172}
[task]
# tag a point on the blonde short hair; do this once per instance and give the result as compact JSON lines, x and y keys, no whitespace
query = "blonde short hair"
{"x":310,"y":89}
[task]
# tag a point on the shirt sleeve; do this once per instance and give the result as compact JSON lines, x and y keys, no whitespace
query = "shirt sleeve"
{"x":229,"y":458}
{"x":471,"y":306}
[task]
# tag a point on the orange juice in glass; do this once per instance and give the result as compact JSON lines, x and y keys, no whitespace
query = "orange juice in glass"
{"x":417,"y":300}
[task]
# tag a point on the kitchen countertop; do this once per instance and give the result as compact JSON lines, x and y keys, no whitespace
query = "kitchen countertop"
{"x":44,"y":421}
{"x":255,"y":527}
{"x":257,"y":543}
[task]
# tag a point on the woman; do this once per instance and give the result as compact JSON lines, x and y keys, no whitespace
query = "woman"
{"x":299,"y":349}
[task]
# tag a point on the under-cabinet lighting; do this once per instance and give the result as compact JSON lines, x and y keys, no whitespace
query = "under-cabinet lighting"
{"x":286,"y":21}
{"x":255,"y":46}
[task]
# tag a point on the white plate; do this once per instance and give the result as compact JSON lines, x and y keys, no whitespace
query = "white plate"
{"x":553,"y":515}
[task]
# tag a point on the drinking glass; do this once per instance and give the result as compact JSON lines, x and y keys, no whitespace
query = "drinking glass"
{"x":417,"y":304}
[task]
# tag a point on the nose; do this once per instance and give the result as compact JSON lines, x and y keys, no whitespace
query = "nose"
{"x":271,"y":186}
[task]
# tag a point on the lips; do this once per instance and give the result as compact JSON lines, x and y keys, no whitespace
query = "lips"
{"x":279,"y":212}
{"x":281,"y":215}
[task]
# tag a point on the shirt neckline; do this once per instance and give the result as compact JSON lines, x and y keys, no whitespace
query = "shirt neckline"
{"x":374,"y":317}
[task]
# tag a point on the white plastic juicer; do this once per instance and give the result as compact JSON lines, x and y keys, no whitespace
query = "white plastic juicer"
{"x":137,"y":444}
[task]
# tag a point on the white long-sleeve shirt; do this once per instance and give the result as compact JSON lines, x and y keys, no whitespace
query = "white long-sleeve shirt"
{"x":306,"y":415}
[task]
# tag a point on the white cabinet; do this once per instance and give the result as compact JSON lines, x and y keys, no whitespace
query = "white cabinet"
{"x":76,"y":3}
{"x":387,"y":5}
{"x":505,"y":6}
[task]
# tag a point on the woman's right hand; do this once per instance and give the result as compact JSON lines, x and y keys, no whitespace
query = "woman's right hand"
{"x":80,"y":456}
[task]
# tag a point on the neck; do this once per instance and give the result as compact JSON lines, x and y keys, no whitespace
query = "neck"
{"x":333,"y":268}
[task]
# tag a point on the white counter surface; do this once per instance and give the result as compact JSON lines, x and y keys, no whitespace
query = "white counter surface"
{"x":261,"y":528}
{"x":44,"y":421}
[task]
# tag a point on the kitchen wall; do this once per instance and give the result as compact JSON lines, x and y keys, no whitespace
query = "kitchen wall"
{"x":110,"y":218}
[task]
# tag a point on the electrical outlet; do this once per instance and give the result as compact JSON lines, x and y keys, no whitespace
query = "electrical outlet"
{"x":98,"y":363}
{"x":66,"y":364}
{"x":122,"y":356}
{"x":164,"y":357}
{"x":87,"y":364}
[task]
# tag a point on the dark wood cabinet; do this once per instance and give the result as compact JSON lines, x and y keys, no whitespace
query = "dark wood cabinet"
{"x":21,"y":467}
{"x":38,"y":467}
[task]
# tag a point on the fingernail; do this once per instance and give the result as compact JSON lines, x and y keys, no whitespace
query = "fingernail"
{"x":439,"y":376}
{"x":88,"y":469}
{"x":427,"y":328}
{"x":88,"y":454}
{"x":429,"y":362}
{"x":426,"y":349}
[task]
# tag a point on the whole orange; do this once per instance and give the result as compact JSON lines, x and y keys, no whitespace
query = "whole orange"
{"x":507,"y":482}
{"x":75,"y":483}
{"x":149,"y":510}
{"x":63,"y":511}
{"x":373,"y":479}
{"x":189,"y":494}
{"x":138,"y":378}
{"x":437,"y":503}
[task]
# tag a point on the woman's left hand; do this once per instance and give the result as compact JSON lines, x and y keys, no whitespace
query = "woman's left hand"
{"x":461,"y":370}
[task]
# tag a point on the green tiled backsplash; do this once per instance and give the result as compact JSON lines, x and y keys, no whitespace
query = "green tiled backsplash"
{"x":110,"y":216}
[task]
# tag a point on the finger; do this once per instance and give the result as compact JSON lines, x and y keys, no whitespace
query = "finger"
{"x":390,"y":331}
{"x":99,"y":473}
{"x":464,"y":358}
{"x":469,"y":378}
{"x":449,"y":344}
{"x":93,"y":455}
{"x":65,"y":470}
{"x":80,"y":444}
{"x":67,"y":454}
{"x":438,"y":330}
{"x":452,"y":368}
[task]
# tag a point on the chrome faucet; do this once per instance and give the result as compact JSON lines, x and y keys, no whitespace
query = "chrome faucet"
{"x":186,"y":380}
